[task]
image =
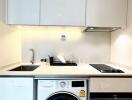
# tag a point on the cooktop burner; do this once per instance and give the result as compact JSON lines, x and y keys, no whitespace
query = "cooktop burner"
{"x":106,"y":69}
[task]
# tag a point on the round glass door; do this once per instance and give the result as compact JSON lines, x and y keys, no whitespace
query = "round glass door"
{"x":63,"y":96}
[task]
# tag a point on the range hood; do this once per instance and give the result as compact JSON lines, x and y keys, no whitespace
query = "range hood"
{"x":101,"y":29}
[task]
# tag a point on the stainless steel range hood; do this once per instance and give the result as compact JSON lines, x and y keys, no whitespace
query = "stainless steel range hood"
{"x":101,"y":29}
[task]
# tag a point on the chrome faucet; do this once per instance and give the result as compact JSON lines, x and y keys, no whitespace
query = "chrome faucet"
{"x":33,"y":56}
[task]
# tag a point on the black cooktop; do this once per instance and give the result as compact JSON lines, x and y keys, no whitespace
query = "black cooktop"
{"x":106,"y":69}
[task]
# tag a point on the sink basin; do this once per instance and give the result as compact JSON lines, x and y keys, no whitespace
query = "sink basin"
{"x":25,"y":68}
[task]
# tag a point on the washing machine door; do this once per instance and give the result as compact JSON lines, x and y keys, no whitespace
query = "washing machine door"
{"x":63,"y":96}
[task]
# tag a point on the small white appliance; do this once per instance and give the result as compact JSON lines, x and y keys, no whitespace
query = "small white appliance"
{"x":62,"y":90}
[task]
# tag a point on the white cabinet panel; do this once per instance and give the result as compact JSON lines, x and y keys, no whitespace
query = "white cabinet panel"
{"x":63,"y":12}
{"x":98,"y":13}
{"x":106,"y":13}
{"x":16,"y":88}
{"x":23,"y":12}
{"x":111,"y":85}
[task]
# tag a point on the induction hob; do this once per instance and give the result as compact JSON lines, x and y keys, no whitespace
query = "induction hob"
{"x":106,"y":69}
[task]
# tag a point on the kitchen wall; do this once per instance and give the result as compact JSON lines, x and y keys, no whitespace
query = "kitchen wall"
{"x":121,"y":43}
{"x":87,"y":47}
{"x":10,"y":41}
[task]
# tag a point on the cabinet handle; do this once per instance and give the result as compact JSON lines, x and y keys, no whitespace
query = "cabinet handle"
{"x":115,"y":97}
{"x":19,"y":86}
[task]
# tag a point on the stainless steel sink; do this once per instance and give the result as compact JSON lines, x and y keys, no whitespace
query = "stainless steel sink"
{"x":25,"y":68}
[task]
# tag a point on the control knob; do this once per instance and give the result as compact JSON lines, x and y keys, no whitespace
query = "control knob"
{"x":63,"y":84}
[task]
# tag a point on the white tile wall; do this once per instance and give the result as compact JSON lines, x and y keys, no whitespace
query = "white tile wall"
{"x":10,"y":45}
{"x":87,"y":47}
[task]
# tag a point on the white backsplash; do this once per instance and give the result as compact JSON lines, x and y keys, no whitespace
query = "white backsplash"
{"x":86,"y":47}
{"x":10,"y":48}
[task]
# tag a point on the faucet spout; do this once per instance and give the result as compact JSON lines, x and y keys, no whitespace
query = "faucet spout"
{"x":33,"y":56}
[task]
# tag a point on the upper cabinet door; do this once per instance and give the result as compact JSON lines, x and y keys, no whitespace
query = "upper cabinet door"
{"x":63,"y":12}
{"x":106,"y":13}
{"x":23,"y":12}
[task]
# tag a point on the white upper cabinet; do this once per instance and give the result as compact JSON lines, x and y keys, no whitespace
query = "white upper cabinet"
{"x":63,"y":12}
{"x":23,"y":12}
{"x":106,"y":13}
{"x":95,"y":13}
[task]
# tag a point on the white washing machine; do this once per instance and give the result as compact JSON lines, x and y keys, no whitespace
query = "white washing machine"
{"x":62,"y":90}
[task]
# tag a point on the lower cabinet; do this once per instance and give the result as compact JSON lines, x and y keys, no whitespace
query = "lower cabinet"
{"x":111,"y":96}
{"x":110,"y":88}
{"x":111,"y":85}
{"x":16,"y":88}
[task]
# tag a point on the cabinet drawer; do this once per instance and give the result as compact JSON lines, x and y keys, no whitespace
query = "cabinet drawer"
{"x":111,"y":85}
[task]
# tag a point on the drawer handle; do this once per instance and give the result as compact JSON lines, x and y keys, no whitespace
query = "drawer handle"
{"x":115,"y":97}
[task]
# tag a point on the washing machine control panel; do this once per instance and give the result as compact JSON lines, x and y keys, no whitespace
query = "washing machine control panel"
{"x":78,"y":84}
{"x":70,"y":84}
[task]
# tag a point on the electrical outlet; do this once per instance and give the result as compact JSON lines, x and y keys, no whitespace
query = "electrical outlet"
{"x":63,"y":37}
